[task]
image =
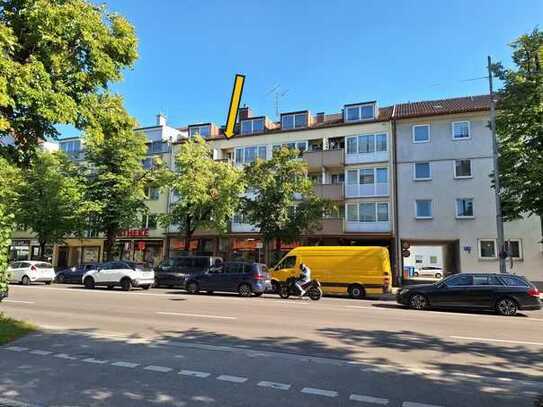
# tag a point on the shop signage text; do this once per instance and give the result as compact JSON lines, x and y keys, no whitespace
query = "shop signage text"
{"x":134,"y":233}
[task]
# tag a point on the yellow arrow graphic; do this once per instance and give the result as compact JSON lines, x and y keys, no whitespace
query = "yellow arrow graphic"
{"x":234,"y":105}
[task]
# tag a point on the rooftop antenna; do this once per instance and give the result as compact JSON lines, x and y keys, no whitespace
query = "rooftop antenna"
{"x":277,"y":92}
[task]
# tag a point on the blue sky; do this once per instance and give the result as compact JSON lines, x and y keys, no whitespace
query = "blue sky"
{"x":326,"y":53}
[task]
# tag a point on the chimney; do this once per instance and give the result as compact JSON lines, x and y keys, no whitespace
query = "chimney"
{"x":160,"y":119}
{"x":244,"y":112}
{"x":319,"y":117}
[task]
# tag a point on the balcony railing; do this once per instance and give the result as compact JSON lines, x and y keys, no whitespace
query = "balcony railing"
{"x":364,"y":190}
{"x":330,"y":226}
{"x":326,"y":158}
{"x":333,"y":192}
{"x":368,"y":226}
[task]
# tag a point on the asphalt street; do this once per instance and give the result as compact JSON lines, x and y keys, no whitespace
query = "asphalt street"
{"x":165,"y":347}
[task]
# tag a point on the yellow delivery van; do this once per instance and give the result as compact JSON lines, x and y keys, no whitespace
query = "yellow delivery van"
{"x":358,"y":271}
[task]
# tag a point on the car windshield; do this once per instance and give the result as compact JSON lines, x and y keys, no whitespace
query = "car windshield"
{"x":44,"y":265}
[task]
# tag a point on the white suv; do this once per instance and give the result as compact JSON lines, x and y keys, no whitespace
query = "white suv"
{"x":26,"y":272}
{"x":119,"y":273}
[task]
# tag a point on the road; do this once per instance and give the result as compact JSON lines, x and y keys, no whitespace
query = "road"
{"x":162,"y":346}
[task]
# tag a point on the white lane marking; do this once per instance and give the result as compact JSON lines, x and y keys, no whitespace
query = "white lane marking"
{"x":41,"y":352}
{"x":274,"y":385}
{"x":194,"y":373}
{"x":20,"y":302}
{"x":413,"y":404}
{"x":125,"y":364}
{"x":65,"y":356}
{"x":233,"y":379}
{"x":161,"y":369}
{"x":368,"y":399}
{"x":497,"y":340}
{"x":195,"y":315}
{"x":96,"y":361}
{"x":319,"y":392}
{"x":16,"y":348}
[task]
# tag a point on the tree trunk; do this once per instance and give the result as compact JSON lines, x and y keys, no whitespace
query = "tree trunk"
{"x":108,"y":245}
{"x":541,"y":221}
{"x":277,"y":250}
{"x":42,"y":250}
{"x":188,"y":234}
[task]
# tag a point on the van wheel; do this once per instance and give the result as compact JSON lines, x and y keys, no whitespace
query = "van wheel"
{"x":244,"y":290}
{"x":126,"y":284}
{"x":275,"y":287}
{"x":25,"y":280}
{"x":356,"y":291}
{"x":89,"y":283}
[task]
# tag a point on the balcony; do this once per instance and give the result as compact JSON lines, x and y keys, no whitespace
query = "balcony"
{"x":330,"y":226}
{"x":328,"y":159}
{"x":368,"y":227}
{"x":364,"y":158}
{"x":333,"y":192}
{"x":366,"y":190}
{"x":243,"y":228}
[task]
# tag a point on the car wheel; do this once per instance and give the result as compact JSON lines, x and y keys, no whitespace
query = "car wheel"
{"x":193,"y":287}
{"x":244,"y":290}
{"x":25,"y":280}
{"x":88,"y":283}
{"x":61,"y":279}
{"x":418,"y":301}
{"x":415,"y":274}
{"x":507,"y":307}
{"x":146,"y":287}
{"x":438,"y":275}
{"x":126,"y":284}
{"x":357,"y":291}
{"x":48,"y":282}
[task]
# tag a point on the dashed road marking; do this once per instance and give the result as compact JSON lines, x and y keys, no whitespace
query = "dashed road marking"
{"x":65,"y":356}
{"x":195,"y":315}
{"x":161,"y":369}
{"x":20,"y":302}
{"x":194,"y":373}
{"x":125,"y":364}
{"x":16,"y":348}
{"x":319,"y":392}
{"x":274,"y":385}
{"x":413,"y":404}
{"x":368,"y":399}
{"x":41,"y":352}
{"x":96,"y":361}
{"x":233,"y":379}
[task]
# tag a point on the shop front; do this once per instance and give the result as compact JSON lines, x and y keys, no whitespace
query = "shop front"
{"x":201,"y":246}
{"x":136,"y":245}
{"x":27,"y":249}
{"x":77,"y":251}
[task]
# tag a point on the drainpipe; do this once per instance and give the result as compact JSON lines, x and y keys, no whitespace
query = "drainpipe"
{"x":397,"y":241}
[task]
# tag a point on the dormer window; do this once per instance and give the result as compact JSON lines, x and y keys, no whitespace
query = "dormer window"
{"x":252,"y":126}
{"x":294,"y":120}
{"x":203,"y":131}
{"x":359,"y":112}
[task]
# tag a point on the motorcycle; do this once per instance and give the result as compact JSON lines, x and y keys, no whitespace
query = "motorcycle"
{"x":288,"y":288}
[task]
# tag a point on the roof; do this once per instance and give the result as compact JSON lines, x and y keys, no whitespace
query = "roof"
{"x":442,"y":106}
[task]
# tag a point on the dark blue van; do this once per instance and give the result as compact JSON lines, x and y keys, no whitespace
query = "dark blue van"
{"x":232,"y":276}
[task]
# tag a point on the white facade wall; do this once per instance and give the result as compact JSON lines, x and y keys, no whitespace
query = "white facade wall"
{"x":443,"y":189}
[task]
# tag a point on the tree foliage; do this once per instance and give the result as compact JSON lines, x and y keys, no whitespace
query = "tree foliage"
{"x":51,"y":198}
{"x":208,"y":191}
{"x":115,"y":175}
{"x":56,"y":56}
{"x":519,"y":125}
{"x":281,"y":201}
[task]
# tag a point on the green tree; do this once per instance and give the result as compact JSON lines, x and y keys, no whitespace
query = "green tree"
{"x":281,"y":202}
{"x":519,"y":125}
{"x":50,"y":198}
{"x":56,"y":55}
{"x":115,"y":175}
{"x":9,"y":177}
{"x":208,"y":191}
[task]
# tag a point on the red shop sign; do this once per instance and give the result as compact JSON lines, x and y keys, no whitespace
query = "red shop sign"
{"x":134,"y":233}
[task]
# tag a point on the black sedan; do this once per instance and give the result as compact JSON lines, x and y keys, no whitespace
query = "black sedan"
{"x":74,"y":274}
{"x":504,"y":293}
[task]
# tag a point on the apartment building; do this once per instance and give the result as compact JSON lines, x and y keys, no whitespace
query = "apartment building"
{"x":445,"y":201}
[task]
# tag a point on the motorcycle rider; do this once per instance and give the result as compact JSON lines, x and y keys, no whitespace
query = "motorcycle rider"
{"x":305,"y":277}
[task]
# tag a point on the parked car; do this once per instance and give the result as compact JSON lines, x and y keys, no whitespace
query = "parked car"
{"x":26,"y":272}
{"x":173,"y":272}
{"x":504,"y":293}
{"x":430,"y":271}
{"x":118,"y":273}
{"x":74,"y":275}
{"x":245,"y":278}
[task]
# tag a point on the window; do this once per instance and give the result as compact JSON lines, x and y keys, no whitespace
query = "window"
{"x":152,"y":193}
{"x":421,"y":133}
{"x":423,"y":172}
{"x":381,"y":174}
{"x":240,"y":219}
{"x":433,"y":259}
{"x":459,"y":281}
{"x":246,"y":155}
{"x":462,"y":169}
{"x":352,"y":145}
{"x":464,"y":208}
{"x":461,"y":130}
{"x":423,"y":208}
{"x":514,"y":281}
{"x":356,"y":113}
{"x":513,"y":248}
{"x":418,"y":259}
{"x":338,"y":178}
{"x":367,"y":143}
{"x":366,"y":176}
{"x":288,"y":263}
{"x":487,"y":249}
{"x":252,"y":126}
{"x":155,"y":147}
{"x":149,"y":222}
{"x":148,"y":163}
{"x":202,"y":131}
{"x":294,"y":120}
{"x":380,"y":142}
{"x":71,"y":147}
{"x":368,"y":212}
